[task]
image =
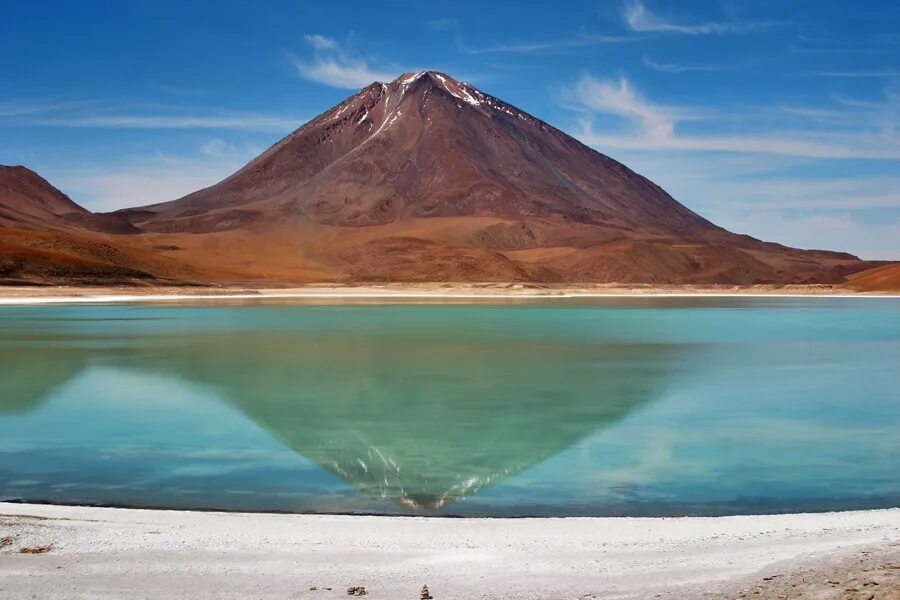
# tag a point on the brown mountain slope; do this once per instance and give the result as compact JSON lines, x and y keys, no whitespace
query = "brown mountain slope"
{"x":29,"y":201}
{"x":427,"y":178}
{"x":46,"y":237}
{"x":427,"y":146}
{"x":420,"y":179}
{"x":82,"y":258}
{"x":885,"y":278}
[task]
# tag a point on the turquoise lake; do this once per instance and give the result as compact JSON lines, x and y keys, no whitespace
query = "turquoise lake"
{"x":628,"y":406}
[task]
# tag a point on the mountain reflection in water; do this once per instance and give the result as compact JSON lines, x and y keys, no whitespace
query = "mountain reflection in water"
{"x":589,"y":408}
{"x":421,"y":417}
{"x":419,"y":422}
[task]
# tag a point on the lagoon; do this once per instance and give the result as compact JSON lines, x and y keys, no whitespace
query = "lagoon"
{"x":563,"y":407}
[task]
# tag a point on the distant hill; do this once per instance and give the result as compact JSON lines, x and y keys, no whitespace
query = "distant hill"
{"x":882,"y":278}
{"x":28,"y":200}
{"x":46,"y":237}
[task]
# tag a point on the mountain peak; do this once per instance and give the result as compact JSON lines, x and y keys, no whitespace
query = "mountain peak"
{"x":409,"y":76}
{"x":427,"y":177}
{"x":459,"y":89}
{"x":412,"y":76}
{"x":427,"y":145}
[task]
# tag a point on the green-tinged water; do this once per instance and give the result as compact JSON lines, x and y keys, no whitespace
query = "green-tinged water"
{"x":569,"y":407}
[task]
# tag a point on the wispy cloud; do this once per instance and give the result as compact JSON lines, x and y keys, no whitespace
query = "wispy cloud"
{"x":618,"y":97}
{"x":686,"y":67}
{"x":826,"y":44}
{"x":582,"y":40}
{"x":650,"y":125}
{"x":821,"y":194}
{"x":111,"y":115}
{"x":443,"y":23}
{"x":641,"y":19}
{"x":806,"y":145}
{"x":819,"y":230}
{"x":177,"y":90}
{"x":861,"y":74}
{"x":14,"y":109}
{"x":333,"y":65}
{"x":155,"y":177}
{"x":320,"y":42}
{"x":240,"y":121}
{"x":864,"y":50}
{"x":780,"y":197}
{"x":823,"y":115}
{"x":221,"y":149}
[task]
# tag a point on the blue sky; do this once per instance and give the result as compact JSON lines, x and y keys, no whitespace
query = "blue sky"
{"x":777,"y":119}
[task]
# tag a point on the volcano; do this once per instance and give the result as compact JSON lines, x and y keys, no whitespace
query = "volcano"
{"x":427,"y":178}
{"x":426,"y":146}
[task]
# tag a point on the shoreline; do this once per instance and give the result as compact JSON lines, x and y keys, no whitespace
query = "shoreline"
{"x":27,"y":295}
{"x":145,"y":553}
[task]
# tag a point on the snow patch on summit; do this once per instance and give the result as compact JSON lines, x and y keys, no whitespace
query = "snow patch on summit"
{"x":411,"y":77}
{"x":408,"y":80}
{"x":467,"y":96}
{"x":460,"y":91}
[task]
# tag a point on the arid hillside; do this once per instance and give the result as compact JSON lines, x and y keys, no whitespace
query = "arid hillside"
{"x":882,"y":278}
{"x":421,"y":179}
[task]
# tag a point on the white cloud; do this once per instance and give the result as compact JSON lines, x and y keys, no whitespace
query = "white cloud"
{"x":870,"y":44}
{"x":861,"y":74}
{"x":827,"y":193}
{"x":320,"y":42}
{"x":619,"y":98}
{"x":102,"y":114}
{"x":443,"y":24}
{"x":340,"y":72}
{"x":814,"y":113}
{"x":743,"y":180}
{"x":780,"y":198}
{"x":334,"y":66}
{"x":639,"y":18}
{"x":178,"y":90}
{"x":868,"y":133}
{"x":108,"y":191}
{"x":547,"y":46}
{"x":24,"y":108}
{"x":686,"y":67}
{"x":828,"y":231}
{"x":232,"y":121}
{"x":217,"y":148}
{"x":816,"y":146}
{"x":143,"y":180}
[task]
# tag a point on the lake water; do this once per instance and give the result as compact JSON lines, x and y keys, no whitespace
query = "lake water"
{"x":678,"y":406}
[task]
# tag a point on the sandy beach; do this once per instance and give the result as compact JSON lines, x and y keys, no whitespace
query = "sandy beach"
{"x":84,"y":552}
{"x":423,"y":291}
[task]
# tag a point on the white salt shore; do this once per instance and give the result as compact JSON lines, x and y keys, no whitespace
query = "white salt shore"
{"x":125,"y":553}
{"x":23,"y":295}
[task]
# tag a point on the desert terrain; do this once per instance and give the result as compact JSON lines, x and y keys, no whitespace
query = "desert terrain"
{"x":423,"y":179}
{"x":80,"y":552}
